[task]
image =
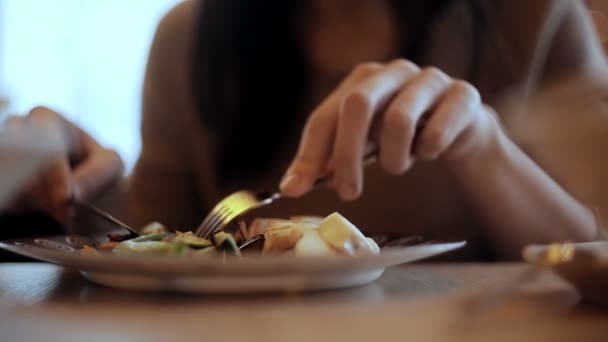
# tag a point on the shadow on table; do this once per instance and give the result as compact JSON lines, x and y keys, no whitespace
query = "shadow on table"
{"x":72,"y":287}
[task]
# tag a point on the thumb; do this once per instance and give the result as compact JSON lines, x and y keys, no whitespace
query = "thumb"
{"x":60,"y":188}
{"x":97,"y":172}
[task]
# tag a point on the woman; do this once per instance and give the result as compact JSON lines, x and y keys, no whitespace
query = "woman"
{"x":231,"y":86}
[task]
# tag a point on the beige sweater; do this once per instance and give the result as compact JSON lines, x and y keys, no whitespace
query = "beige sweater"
{"x":174,"y":181}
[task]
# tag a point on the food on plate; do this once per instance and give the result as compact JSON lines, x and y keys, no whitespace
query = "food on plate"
{"x":164,"y":243}
{"x":88,"y":250}
{"x":312,"y":243}
{"x":299,"y":236}
{"x":153,"y":228}
{"x":345,"y":237}
{"x":334,"y":235}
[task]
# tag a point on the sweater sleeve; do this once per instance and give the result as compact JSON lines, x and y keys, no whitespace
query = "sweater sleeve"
{"x":163,"y":182}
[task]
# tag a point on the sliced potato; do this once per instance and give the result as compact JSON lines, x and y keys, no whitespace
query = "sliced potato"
{"x":342,"y":235}
{"x":153,"y":228}
{"x":259,"y":226}
{"x":280,"y":238}
{"x":373,"y":246}
{"x":316,"y":220}
{"x":312,"y":244}
{"x":366,"y":246}
{"x":305,"y":226}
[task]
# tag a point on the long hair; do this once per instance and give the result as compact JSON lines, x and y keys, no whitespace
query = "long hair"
{"x":250,"y":74}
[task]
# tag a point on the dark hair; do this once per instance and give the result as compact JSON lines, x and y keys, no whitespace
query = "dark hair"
{"x":250,"y":74}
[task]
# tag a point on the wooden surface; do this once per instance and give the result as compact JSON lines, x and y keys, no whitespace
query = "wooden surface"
{"x":421,"y":302}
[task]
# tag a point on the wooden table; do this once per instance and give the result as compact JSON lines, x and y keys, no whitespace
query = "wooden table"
{"x":422,"y":302}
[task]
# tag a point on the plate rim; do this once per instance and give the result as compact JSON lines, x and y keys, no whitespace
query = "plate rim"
{"x":230,"y":265}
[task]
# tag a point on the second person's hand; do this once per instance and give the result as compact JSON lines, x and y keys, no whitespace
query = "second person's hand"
{"x":84,"y":170}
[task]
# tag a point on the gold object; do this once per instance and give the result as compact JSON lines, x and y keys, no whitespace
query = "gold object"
{"x":558,"y":253}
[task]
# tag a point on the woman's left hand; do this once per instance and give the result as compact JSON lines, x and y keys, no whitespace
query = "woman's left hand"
{"x":409,"y":112}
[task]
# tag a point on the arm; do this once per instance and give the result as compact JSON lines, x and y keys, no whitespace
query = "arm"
{"x":518,"y":200}
{"x":546,"y":198}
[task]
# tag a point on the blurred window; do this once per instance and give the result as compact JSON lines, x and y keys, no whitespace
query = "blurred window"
{"x":84,"y":58}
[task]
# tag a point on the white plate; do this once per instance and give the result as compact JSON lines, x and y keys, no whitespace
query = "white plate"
{"x":231,"y":274}
{"x":587,"y":270}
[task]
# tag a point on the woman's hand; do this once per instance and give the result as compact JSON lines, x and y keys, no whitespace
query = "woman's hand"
{"x":85,"y":169}
{"x":411,"y":113}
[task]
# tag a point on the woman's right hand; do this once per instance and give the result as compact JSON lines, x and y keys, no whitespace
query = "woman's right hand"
{"x":84,"y":170}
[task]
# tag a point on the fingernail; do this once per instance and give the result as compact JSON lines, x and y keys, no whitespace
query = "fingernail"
{"x":347,"y":190}
{"x":292,"y":184}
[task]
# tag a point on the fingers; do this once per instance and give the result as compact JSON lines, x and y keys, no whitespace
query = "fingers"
{"x":84,"y":168}
{"x":97,"y":172}
{"x":50,"y":192}
{"x":94,"y":166}
{"x":404,"y":115}
{"x":59,"y":188}
{"x":454,"y":115}
{"x":407,"y":111}
{"x":313,"y":152}
{"x":318,"y":138}
{"x":357,"y":111}
{"x":55,"y":187}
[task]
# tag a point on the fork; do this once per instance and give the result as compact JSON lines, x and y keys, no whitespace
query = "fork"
{"x":241,"y":202}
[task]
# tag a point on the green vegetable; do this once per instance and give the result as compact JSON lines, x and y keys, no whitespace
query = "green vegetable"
{"x":150,"y":237}
{"x":225,"y":242}
{"x":182,"y":244}
{"x":179,"y":248}
{"x":145,"y":247}
{"x":192,"y":240}
{"x":151,"y":248}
